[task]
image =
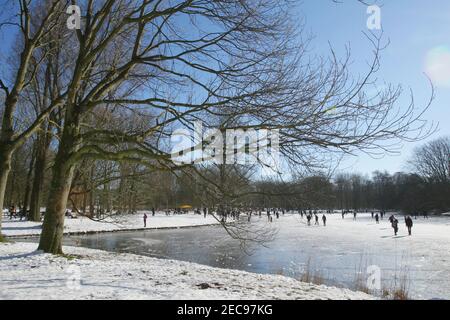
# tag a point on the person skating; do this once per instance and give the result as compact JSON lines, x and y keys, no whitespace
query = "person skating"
{"x":308,"y":217}
{"x":324,"y":219}
{"x":354,"y":215}
{"x":145,"y":220}
{"x":153,"y":212}
{"x":409,"y":224}
{"x":377,"y":218}
{"x":317,"y":219}
{"x":205,"y":212}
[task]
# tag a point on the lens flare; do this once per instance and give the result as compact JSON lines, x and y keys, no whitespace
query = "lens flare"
{"x":437,"y":66}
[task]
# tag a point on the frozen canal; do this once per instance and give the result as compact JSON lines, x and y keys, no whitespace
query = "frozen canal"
{"x":338,"y":253}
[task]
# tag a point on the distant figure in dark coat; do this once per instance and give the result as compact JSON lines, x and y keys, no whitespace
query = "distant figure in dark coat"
{"x":12,"y":212}
{"x":317,"y":219}
{"x":391,"y":219}
{"x":409,"y":224}
{"x":395,"y":225}
{"x":308,"y":217}
{"x":145,"y":220}
{"x":324,"y":220}
{"x":153,"y":212}
{"x":205,"y":212}
{"x":377,"y":218}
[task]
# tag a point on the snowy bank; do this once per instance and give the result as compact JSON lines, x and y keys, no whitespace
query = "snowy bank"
{"x":93,"y":274}
{"x":16,"y":228}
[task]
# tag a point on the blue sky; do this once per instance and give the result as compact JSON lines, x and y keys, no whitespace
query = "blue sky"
{"x":419,"y":34}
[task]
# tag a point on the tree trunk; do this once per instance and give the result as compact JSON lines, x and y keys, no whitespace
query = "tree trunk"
{"x":5,"y":168}
{"x":26,"y":199}
{"x":85,"y":196}
{"x":53,"y":226}
{"x":39,"y":174}
{"x":91,"y":192}
{"x":63,"y":172}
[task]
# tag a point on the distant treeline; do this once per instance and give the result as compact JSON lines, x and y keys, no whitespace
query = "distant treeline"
{"x":103,"y":186}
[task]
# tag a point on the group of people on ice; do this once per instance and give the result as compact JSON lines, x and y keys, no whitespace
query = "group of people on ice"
{"x":375,"y":215}
{"x":234,"y":213}
{"x":394,"y":224}
{"x":316,"y":218}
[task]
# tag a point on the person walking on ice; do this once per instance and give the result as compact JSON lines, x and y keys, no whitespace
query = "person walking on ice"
{"x":409,"y":224}
{"x":377,"y":218}
{"x":145,"y":220}
{"x":317,"y":219}
{"x":391,"y":218}
{"x":395,"y":226}
{"x":324,"y":219}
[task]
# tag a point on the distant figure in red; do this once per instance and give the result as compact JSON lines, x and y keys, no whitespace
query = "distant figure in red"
{"x":145,"y":220}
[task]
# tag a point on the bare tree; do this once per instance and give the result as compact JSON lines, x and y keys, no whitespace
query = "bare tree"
{"x":33,"y":25}
{"x":236,"y":59}
{"x":432,"y":160}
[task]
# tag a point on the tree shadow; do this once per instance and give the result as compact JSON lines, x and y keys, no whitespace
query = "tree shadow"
{"x":21,"y":228}
{"x":18,"y":256}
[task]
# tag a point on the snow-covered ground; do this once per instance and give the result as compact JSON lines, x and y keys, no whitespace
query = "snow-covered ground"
{"x":16,"y":227}
{"x":339,"y":253}
{"x":93,"y":274}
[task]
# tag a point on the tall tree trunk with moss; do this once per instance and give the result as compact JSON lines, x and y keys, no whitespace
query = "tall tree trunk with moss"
{"x":63,"y":172}
{"x":5,"y":168}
